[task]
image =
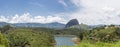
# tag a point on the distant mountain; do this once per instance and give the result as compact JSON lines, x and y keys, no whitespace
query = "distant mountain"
{"x":3,"y":24}
{"x":94,"y":26}
{"x":55,"y":25}
{"x":46,"y":25}
{"x":72,"y":23}
{"x":81,"y":26}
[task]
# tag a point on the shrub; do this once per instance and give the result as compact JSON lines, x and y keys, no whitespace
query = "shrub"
{"x":3,"y":41}
{"x":23,"y":37}
{"x":104,"y":35}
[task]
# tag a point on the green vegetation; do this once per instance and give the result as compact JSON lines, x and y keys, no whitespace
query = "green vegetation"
{"x":104,"y":36}
{"x":2,"y":46}
{"x":98,"y":44}
{"x":3,"y":41}
{"x":34,"y":37}
{"x":25,"y":37}
{"x":81,"y":27}
{"x":5,"y":28}
{"x":67,"y":31}
{"x":110,"y":34}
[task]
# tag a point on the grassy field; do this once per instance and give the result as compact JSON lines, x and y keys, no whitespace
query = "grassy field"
{"x":96,"y":44}
{"x":99,"y":44}
{"x":2,"y":46}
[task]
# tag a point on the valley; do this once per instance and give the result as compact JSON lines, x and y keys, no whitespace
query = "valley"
{"x":27,"y":35}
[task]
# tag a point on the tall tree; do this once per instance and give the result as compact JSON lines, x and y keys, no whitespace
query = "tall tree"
{"x":5,"y":28}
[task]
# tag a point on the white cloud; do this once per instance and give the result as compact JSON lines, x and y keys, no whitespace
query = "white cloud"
{"x":24,"y":18}
{"x":63,"y":3}
{"x":3,"y":19}
{"x":93,"y":12}
{"x":27,"y":18}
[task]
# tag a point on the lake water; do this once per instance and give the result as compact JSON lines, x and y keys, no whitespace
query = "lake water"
{"x":64,"y":41}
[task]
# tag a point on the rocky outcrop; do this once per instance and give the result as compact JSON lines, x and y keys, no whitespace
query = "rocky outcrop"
{"x":76,"y":40}
{"x":72,"y":23}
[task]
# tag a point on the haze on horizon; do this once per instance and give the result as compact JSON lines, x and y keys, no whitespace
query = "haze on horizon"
{"x":90,"y":12}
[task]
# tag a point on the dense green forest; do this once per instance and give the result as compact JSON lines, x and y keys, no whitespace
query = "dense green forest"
{"x":103,"y":36}
{"x":25,"y":37}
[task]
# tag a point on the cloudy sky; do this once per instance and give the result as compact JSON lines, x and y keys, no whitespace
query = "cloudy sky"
{"x":91,"y":12}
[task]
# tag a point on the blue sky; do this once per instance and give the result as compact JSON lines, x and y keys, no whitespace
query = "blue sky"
{"x":34,"y":7}
{"x":90,"y":12}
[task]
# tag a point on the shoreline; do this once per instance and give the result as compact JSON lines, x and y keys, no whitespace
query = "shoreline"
{"x":74,"y":39}
{"x":66,"y":35}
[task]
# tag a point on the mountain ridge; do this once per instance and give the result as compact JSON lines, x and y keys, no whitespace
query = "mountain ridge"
{"x":44,"y":25}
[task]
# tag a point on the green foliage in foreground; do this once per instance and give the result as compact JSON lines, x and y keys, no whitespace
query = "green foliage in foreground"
{"x":2,"y":46}
{"x":98,"y":44}
{"x":23,"y":37}
{"x":100,"y":37}
{"x":104,"y":35}
{"x":3,"y":41}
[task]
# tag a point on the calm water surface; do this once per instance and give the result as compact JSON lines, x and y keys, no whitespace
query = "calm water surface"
{"x":64,"y":41}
